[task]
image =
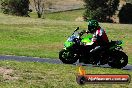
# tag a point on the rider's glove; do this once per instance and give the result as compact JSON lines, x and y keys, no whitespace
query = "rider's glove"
{"x":82,"y":32}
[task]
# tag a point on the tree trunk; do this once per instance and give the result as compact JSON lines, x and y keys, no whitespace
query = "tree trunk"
{"x":39,"y":15}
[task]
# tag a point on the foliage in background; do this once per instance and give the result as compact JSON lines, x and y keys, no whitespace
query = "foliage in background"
{"x":15,"y":7}
{"x":125,"y":14}
{"x":101,"y":10}
{"x":129,"y":1}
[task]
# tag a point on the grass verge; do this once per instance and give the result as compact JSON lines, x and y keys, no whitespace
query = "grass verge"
{"x":44,"y":75}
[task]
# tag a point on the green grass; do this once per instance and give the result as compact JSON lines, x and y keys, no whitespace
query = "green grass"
{"x":66,"y":15}
{"x":44,"y":38}
{"x":44,"y":75}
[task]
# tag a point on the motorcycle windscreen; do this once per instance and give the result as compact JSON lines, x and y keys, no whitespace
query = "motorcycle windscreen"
{"x":87,"y":40}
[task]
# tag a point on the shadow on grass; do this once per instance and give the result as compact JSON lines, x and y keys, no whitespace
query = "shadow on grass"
{"x":128,"y":67}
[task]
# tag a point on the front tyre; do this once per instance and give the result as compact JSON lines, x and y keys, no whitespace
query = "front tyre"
{"x":67,"y":56}
{"x":118,"y":59}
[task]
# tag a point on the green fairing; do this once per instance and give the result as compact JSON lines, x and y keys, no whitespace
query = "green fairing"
{"x":121,"y":44}
{"x":87,"y":40}
{"x":68,"y":44}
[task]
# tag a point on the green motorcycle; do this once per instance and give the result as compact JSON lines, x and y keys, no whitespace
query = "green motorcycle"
{"x":80,"y":48}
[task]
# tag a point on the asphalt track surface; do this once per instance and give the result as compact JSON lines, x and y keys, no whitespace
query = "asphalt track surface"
{"x":52,"y":61}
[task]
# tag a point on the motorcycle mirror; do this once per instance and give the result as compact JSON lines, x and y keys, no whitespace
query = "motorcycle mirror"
{"x":77,"y":29}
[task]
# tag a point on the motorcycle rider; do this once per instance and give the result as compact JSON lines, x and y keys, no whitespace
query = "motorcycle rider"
{"x":99,"y":38}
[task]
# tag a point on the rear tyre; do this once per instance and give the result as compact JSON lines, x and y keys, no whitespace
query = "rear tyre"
{"x":67,"y":57}
{"x":118,"y":59}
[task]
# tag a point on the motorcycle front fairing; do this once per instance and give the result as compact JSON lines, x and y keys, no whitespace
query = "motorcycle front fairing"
{"x":70,"y":41}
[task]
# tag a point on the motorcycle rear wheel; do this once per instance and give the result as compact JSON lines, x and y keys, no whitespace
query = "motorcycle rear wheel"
{"x":118,"y":59}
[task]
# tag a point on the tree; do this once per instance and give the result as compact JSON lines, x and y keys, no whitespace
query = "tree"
{"x":125,"y":14}
{"x":101,"y":10}
{"x":15,"y":7}
{"x":39,"y":7}
{"x":129,"y":1}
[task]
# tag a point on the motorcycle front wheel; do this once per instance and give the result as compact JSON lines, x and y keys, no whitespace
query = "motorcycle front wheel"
{"x":67,"y":57}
